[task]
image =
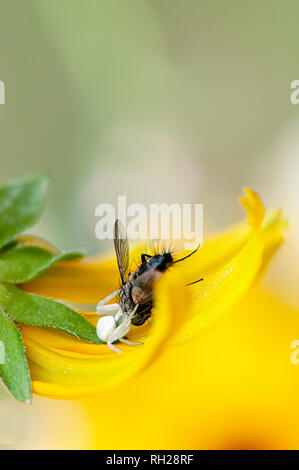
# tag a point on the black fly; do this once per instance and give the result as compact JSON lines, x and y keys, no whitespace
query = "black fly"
{"x":135,"y":295}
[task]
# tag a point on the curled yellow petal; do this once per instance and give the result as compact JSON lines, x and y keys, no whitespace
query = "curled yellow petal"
{"x":63,"y":371}
{"x":225,"y":284}
{"x":220,"y":290}
{"x":63,"y":367}
{"x":254,"y":207}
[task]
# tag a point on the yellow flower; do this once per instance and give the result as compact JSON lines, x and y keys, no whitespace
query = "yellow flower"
{"x":232,"y":387}
{"x":230,"y":263}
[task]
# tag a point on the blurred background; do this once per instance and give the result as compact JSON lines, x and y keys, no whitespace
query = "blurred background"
{"x":163,"y":101}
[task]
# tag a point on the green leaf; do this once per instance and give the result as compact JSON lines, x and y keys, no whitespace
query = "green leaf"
{"x":13,"y":364}
{"x":21,"y":204}
{"x":20,"y":264}
{"x":39,"y":311}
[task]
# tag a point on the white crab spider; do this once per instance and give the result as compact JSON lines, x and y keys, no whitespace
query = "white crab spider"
{"x":115,"y":325}
{"x":111,"y":327}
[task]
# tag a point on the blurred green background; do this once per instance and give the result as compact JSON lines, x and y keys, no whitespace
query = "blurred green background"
{"x":160,"y":100}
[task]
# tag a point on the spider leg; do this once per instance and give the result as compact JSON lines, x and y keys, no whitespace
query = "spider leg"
{"x":106,"y":299}
{"x":130,"y":343}
{"x":79,"y":306}
{"x":121,"y":330}
{"x":113,"y":348}
{"x":107,"y":309}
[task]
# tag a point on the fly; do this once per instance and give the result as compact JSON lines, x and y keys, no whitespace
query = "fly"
{"x":135,"y":295}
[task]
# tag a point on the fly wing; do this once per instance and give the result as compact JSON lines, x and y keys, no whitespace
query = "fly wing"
{"x":121,"y":245}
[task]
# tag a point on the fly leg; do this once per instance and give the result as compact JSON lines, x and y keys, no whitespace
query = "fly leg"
{"x":144,"y":256}
{"x":195,"y":282}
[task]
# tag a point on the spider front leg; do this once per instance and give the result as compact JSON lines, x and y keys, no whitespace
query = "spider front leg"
{"x":103,"y":309}
{"x":113,"y":348}
{"x":110,"y":309}
{"x":130,"y":343}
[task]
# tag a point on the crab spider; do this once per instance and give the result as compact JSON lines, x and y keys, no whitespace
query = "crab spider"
{"x":115,"y":325}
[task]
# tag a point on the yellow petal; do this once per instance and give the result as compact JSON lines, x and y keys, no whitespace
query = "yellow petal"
{"x":233,"y":387}
{"x":254,"y":207}
{"x":64,"y":367}
{"x":221,"y":248}
{"x":225,"y":287}
{"x":60,"y":372}
{"x":81,"y":281}
{"x":219,"y":291}
{"x":90,"y":279}
{"x":29,"y":240}
{"x":86,"y":280}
